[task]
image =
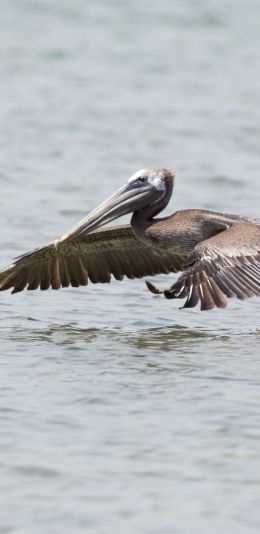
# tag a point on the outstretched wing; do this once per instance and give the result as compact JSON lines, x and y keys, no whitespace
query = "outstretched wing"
{"x":224,"y":266}
{"x":95,"y":257}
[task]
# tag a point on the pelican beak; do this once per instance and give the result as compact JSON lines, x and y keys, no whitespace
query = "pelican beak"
{"x":127,"y":199}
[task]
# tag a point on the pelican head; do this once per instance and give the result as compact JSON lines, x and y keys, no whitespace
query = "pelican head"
{"x":144,"y":188}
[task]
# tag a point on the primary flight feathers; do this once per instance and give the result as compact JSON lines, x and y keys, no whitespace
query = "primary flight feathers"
{"x":219,"y":254}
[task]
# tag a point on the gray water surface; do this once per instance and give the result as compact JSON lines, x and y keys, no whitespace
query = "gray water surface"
{"x":118,"y":411}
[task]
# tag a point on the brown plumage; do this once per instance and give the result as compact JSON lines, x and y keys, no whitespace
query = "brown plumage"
{"x":95,"y":257}
{"x":219,"y":254}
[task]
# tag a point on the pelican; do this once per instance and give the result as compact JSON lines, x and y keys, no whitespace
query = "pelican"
{"x":217,"y":253}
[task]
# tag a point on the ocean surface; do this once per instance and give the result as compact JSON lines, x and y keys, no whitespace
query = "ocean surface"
{"x":118,"y":411}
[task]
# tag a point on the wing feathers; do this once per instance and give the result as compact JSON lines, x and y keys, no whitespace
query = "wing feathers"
{"x":96,"y":257}
{"x":224,"y":266}
{"x":64,"y":275}
{"x":55,"y":274}
{"x":45,"y":275}
{"x":34,"y":279}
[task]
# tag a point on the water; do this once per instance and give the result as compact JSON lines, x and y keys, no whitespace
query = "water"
{"x":118,"y":411}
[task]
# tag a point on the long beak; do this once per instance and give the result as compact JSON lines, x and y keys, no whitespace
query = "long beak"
{"x":127,"y":199}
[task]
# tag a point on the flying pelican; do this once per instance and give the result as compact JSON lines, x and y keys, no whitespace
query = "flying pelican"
{"x":218,"y":254}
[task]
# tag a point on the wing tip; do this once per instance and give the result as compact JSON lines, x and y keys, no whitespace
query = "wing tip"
{"x":153,"y":289}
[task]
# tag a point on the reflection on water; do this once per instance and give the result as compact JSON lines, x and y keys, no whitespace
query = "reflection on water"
{"x":161,"y":338}
{"x":164,"y":339}
{"x":66,"y":334}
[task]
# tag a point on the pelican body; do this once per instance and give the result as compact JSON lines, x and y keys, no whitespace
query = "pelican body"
{"x":218,"y":254}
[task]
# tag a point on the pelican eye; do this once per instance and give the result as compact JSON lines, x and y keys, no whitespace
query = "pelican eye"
{"x":142,"y":179}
